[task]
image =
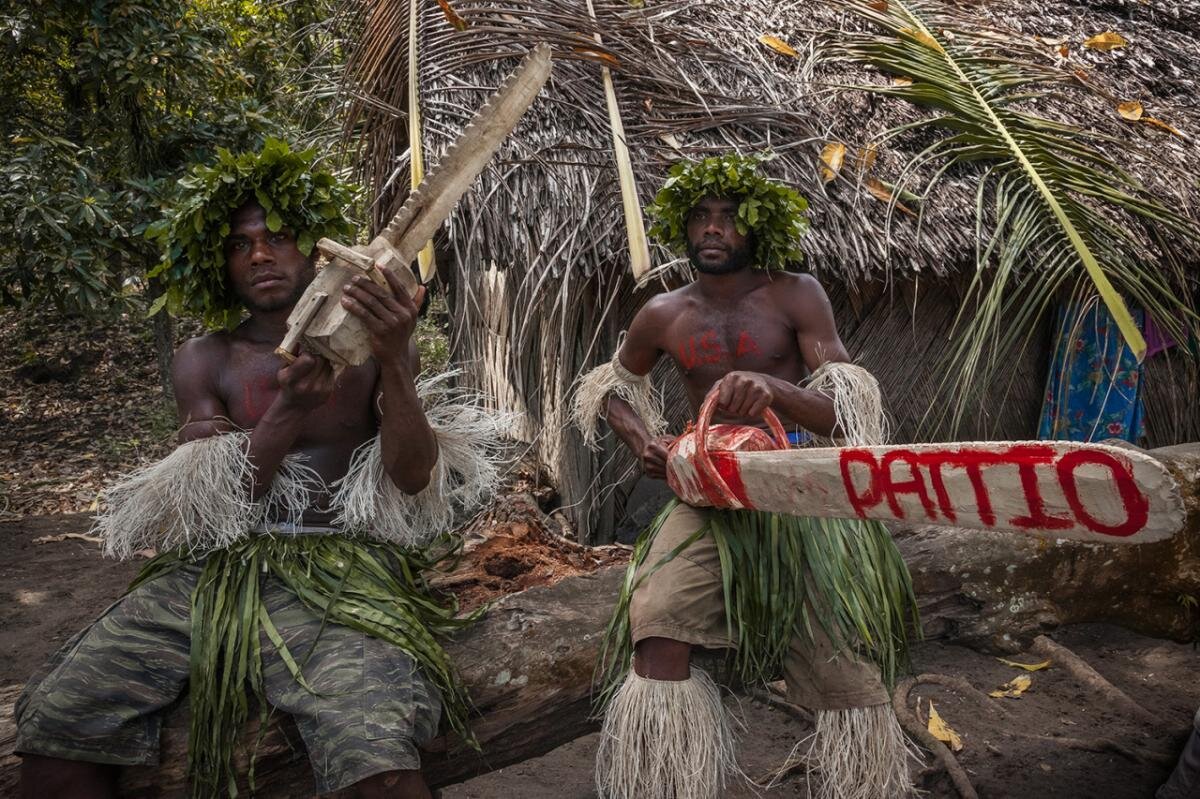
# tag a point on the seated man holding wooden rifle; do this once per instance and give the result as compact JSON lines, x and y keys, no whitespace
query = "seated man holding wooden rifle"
{"x":293,"y":521}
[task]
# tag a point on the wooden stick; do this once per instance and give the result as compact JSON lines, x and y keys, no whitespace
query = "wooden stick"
{"x":1084,"y":673}
{"x":360,"y":261}
{"x":938,"y":749}
{"x":287,"y":348}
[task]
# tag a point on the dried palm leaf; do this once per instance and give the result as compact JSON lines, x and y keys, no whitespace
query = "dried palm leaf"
{"x":1050,"y":203}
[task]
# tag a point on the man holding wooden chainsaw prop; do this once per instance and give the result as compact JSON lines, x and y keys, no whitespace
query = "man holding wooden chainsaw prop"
{"x":747,"y":339}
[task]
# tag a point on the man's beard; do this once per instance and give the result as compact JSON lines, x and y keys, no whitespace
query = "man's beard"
{"x":735,"y":260}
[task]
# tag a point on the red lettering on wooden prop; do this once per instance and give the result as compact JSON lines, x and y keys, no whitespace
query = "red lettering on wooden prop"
{"x":883,"y":485}
{"x":1137,"y":507}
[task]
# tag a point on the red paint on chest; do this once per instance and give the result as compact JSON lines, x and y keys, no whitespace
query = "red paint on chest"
{"x":257,"y":395}
{"x":704,"y":349}
{"x":746,"y":345}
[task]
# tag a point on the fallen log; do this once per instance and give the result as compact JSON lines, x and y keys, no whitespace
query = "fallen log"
{"x":999,"y":591}
{"x":528,"y":664}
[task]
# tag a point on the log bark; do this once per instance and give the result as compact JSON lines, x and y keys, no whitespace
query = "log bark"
{"x":999,"y":591}
{"x":528,"y":664}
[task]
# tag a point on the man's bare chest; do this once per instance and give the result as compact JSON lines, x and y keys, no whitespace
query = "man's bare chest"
{"x":702,"y":343}
{"x":250,"y":386}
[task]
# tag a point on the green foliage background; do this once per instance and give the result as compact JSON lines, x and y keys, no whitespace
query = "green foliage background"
{"x":108,"y":101}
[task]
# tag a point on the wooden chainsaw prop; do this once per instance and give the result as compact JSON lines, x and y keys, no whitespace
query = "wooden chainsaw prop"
{"x":1049,"y":489}
{"x":319,"y":322}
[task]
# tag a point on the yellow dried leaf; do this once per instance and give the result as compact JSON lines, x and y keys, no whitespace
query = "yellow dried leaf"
{"x":1027,"y":666}
{"x":1158,"y":123}
{"x":778,"y":45}
{"x":866,"y":158}
{"x":1014,"y":687}
{"x":882,"y":193}
{"x":452,"y":16}
{"x":923,"y":37}
{"x":939,"y":729}
{"x":902,"y":80}
{"x":832,"y":155}
{"x":1105,"y":41}
{"x":1131,"y":110}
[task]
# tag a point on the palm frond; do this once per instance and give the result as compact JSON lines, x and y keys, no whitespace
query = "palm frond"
{"x":1052,"y":206}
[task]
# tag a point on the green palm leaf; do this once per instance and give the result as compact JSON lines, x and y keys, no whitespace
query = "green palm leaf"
{"x":1054,"y":212}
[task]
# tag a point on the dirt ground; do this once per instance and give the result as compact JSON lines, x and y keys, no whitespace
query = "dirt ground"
{"x":49,"y":590}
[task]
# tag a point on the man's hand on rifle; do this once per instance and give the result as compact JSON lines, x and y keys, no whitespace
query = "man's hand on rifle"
{"x":745,"y":394}
{"x":306,"y":383}
{"x":390,"y":318}
{"x":654,"y":456}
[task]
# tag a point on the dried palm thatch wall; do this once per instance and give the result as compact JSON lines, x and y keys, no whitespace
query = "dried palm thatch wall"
{"x":535,"y":257}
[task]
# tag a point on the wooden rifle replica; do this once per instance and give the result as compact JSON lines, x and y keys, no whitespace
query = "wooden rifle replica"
{"x":319,"y":322}
{"x":1097,"y":493}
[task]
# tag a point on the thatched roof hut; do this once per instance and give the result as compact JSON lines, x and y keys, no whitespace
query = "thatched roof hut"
{"x":536,"y":256}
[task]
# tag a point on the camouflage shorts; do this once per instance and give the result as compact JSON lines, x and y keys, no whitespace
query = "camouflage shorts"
{"x":101,"y":697}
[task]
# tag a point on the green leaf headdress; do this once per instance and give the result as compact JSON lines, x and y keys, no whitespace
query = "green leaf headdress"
{"x":293,"y":193}
{"x":772,"y":211}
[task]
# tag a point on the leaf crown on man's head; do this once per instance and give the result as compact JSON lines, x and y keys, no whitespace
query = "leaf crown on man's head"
{"x":770,"y":210}
{"x":294,"y":194}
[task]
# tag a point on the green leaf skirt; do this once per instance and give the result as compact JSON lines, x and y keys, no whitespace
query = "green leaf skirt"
{"x":378,"y":589}
{"x":846,"y":573}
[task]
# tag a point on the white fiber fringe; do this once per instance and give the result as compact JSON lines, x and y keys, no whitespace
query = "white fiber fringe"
{"x":590,"y":403}
{"x":859,"y":753}
{"x":665,"y":739}
{"x":471,"y":458}
{"x":857,"y":403}
{"x":195,"y":498}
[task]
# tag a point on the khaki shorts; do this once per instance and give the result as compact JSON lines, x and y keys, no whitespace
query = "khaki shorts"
{"x":102,"y":696}
{"x":683,"y":600}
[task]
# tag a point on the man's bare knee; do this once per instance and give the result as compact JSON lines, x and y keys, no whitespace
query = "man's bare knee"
{"x":662,"y":659}
{"x":394,"y":785}
{"x":73,"y":779}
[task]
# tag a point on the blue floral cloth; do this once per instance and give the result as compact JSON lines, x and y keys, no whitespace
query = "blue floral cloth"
{"x":1094,"y":389}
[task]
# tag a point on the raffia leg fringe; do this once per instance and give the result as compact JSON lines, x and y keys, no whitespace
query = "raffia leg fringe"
{"x":665,"y":739}
{"x":859,"y":753}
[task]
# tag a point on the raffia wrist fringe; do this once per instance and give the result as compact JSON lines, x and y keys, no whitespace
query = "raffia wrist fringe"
{"x":471,"y":456}
{"x":196,"y":499}
{"x":590,"y":403}
{"x":857,"y":404}
{"x":665,"y":739}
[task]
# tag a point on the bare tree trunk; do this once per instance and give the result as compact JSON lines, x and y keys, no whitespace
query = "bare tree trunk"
{"x":164,"y":340}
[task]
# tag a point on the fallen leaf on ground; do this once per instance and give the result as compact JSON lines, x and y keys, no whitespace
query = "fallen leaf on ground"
{"x":832,"y":155}
{"x":879,"y":5}
{"x":1026,"y":666}
{"x":939,"y":729}
{"x":778,"y":45}
{"x":1014,"y":687}
{"x":54,"y":539}
{"x":923,"y":37}
{"x":1105,"y":41}
{"x":882,"y":193}
{"x":452,"y":16}
{"x":1158,"y":123}
{"x":1131,"y":110}
{"x":671,"y":140}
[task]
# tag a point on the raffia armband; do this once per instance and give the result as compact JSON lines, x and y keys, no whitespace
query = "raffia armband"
{"x":857,"y":404}
{"x":197,"y":499}
{"x":471,"y":457}
{"x":590,"y":403}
